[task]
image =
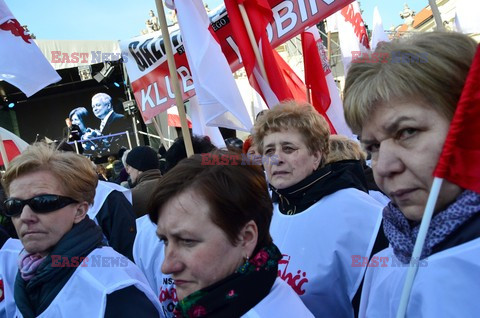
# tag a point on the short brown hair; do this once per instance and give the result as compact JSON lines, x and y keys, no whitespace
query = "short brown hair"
{"x":74,"y":172}
{"x":300,"y":116}
{"x":435,"y":74}
{"x":236,"y":193}
{"x":344,"y":148}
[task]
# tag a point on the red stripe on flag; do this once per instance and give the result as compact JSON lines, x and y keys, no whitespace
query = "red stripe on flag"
{"x":260,"y":14}
{"x":11,"y":149}
{"x":294,"y":83}
{"x":459,"y":161}
{"x":315,"y":76}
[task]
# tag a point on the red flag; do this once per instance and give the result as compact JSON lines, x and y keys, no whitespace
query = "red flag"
{"x":294,"y":83}
{"x":273,"y":89}
{"x":459,"y":161}
{"x":315,"y":76}
{"x":21,"y":62}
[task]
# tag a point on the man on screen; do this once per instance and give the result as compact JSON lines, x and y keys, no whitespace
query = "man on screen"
{"x":111,"y":122}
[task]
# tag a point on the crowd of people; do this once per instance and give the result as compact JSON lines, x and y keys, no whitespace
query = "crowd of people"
{"x":291,"y":222}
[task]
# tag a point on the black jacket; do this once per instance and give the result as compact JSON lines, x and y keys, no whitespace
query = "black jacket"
{"x":117,"y":220}
{"x":322,"y":182}
{"x":3,"y":236}
{"x":115,"y":123}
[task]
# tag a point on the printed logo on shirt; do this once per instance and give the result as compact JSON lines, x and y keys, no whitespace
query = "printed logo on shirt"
{"x":295,"y":281}
{"x":2,"y":294}
{"x":168,"y":297}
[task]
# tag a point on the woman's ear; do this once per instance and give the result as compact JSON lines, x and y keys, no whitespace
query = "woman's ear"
{"x":82,"y":210}
{"x":317,"y":155}
{"x":249,"y":237}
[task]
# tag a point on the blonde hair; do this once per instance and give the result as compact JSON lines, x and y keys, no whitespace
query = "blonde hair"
{"x":75,"y":173}
{"x":429,"y":67}
{"x":344,"y":148}
{"x":293,"y":115}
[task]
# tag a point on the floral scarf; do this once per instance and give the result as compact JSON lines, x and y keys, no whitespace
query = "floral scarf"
{"x":402,"y":235}
{"x":236,"y":294}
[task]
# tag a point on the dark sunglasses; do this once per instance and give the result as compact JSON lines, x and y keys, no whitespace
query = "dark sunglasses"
{"x":43,"y":203}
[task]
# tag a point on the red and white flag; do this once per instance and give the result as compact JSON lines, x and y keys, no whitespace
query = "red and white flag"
{"x":352,"y":33}
{"x":13,"y":145}
{"x":459,"y":161}
{"x":218,"y":97}
{"x":21,"y":62}
{"x":173,"y":118}
{"x":273,"y":89}
{"x":319,"y":79}
{"x":378,"y":33}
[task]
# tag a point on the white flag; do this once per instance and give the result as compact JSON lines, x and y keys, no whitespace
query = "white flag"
{"x":199,"y":127}
{"x":378,"y":33}
{"x":466,"y":16}
{"x":21,"y":62}
{"x":219,"y":99}
{"x":352,"y":33}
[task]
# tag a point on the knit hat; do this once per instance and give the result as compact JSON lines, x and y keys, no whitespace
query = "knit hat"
{"x":234,"y":143}
{"x":142,"y":158}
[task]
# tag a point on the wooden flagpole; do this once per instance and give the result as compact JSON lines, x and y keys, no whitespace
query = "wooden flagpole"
{"x":253,"y":42}
{"x":174,"y":78}
{"x":3,"y":153}
{"x":329,"y":46}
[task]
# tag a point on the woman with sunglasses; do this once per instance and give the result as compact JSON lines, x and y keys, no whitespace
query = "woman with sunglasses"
{"x":64,"y":267}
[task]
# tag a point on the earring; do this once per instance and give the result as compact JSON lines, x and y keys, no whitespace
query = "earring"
{"x":243,"y":268}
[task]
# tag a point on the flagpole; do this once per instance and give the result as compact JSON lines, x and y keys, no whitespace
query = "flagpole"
{"x":128,"y":140}
{"x":436,"y":15}
{"x":417,"y":250}
{"x":253,"y":42}
{"x":3,"y":153}
{"x":329,"y":46}
{"x":76,"y":147}
{"x":174,"y":78}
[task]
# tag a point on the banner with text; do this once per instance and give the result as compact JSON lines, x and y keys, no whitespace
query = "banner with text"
{"x":147,"y":63}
